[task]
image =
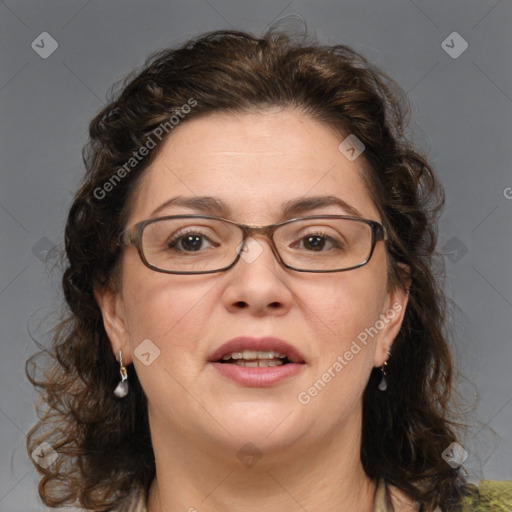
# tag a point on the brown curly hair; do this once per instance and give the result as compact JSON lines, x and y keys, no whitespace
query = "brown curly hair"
{"x":406,"y":429}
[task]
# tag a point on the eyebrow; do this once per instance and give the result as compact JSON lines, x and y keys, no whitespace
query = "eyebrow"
{"x":213,"y":205}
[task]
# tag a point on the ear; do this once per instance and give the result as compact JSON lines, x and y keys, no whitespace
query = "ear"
{"x":392,"y":317}
{"x":114,"y":321}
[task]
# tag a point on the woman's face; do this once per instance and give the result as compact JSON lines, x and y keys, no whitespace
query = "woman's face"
{"x":254,"y":164}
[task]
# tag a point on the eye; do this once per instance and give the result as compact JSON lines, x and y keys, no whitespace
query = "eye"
{"x":316,"y":242}
{"x":189,"y":241}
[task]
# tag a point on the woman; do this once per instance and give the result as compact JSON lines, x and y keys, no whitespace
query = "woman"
{"x":255,"y":322}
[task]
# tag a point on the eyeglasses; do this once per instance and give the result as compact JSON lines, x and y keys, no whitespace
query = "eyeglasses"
{"x":203,"y":244}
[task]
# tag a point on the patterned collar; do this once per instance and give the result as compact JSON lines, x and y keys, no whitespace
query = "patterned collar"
{"x":382,"y":498}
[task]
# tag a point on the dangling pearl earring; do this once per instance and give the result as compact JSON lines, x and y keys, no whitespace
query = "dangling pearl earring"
{"x":383,"y":385}
{"x":122,"y":388}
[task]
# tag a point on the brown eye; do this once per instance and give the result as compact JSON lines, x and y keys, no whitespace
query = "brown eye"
{"x":189,"y":242}
{"x":316,"y":243}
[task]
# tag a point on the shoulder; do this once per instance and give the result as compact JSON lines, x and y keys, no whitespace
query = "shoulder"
{"x":489,"y":496}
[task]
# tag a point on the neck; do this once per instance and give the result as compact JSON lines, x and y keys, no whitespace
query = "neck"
{"x":195,"y":476}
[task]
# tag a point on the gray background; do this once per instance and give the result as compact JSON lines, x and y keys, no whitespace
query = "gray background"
{"x":461,"y":118}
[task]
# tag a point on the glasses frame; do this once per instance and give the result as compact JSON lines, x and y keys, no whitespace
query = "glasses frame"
{"x":133,"y":236}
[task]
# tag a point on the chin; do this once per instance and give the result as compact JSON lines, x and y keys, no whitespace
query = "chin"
{"x":269,"y":426}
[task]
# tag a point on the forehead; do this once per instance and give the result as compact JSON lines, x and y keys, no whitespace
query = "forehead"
{"x":255,"y":164}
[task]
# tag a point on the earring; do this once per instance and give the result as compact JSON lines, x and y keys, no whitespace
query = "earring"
{"x":383,"y":385}
{"x":122,"y":388}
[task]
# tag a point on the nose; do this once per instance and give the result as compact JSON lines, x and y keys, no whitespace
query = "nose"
{"x":258,"y":283}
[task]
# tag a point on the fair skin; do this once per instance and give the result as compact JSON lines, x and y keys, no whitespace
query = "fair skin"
{"x":199,"y":420}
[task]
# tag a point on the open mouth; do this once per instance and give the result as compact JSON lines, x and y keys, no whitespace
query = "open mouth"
{"x":257,"y":362}
{"x":254,"y":359}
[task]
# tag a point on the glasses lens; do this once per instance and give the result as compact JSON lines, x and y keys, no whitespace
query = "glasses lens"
{"x":190,"y":244}
{"x":324,"y":243}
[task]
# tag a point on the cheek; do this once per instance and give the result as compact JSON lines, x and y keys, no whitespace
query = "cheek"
{"x":344,"y":311}
{"x":164,"y":308}
{"x":349,"y":302}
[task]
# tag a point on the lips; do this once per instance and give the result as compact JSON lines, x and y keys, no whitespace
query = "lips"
{"x":257,"y":362}
{"x":266,"y":344}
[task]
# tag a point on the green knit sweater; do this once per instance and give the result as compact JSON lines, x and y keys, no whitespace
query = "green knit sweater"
{"x":489,"y":496}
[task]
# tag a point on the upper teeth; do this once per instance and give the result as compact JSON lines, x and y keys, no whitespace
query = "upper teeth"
{"x":253,"y":354}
